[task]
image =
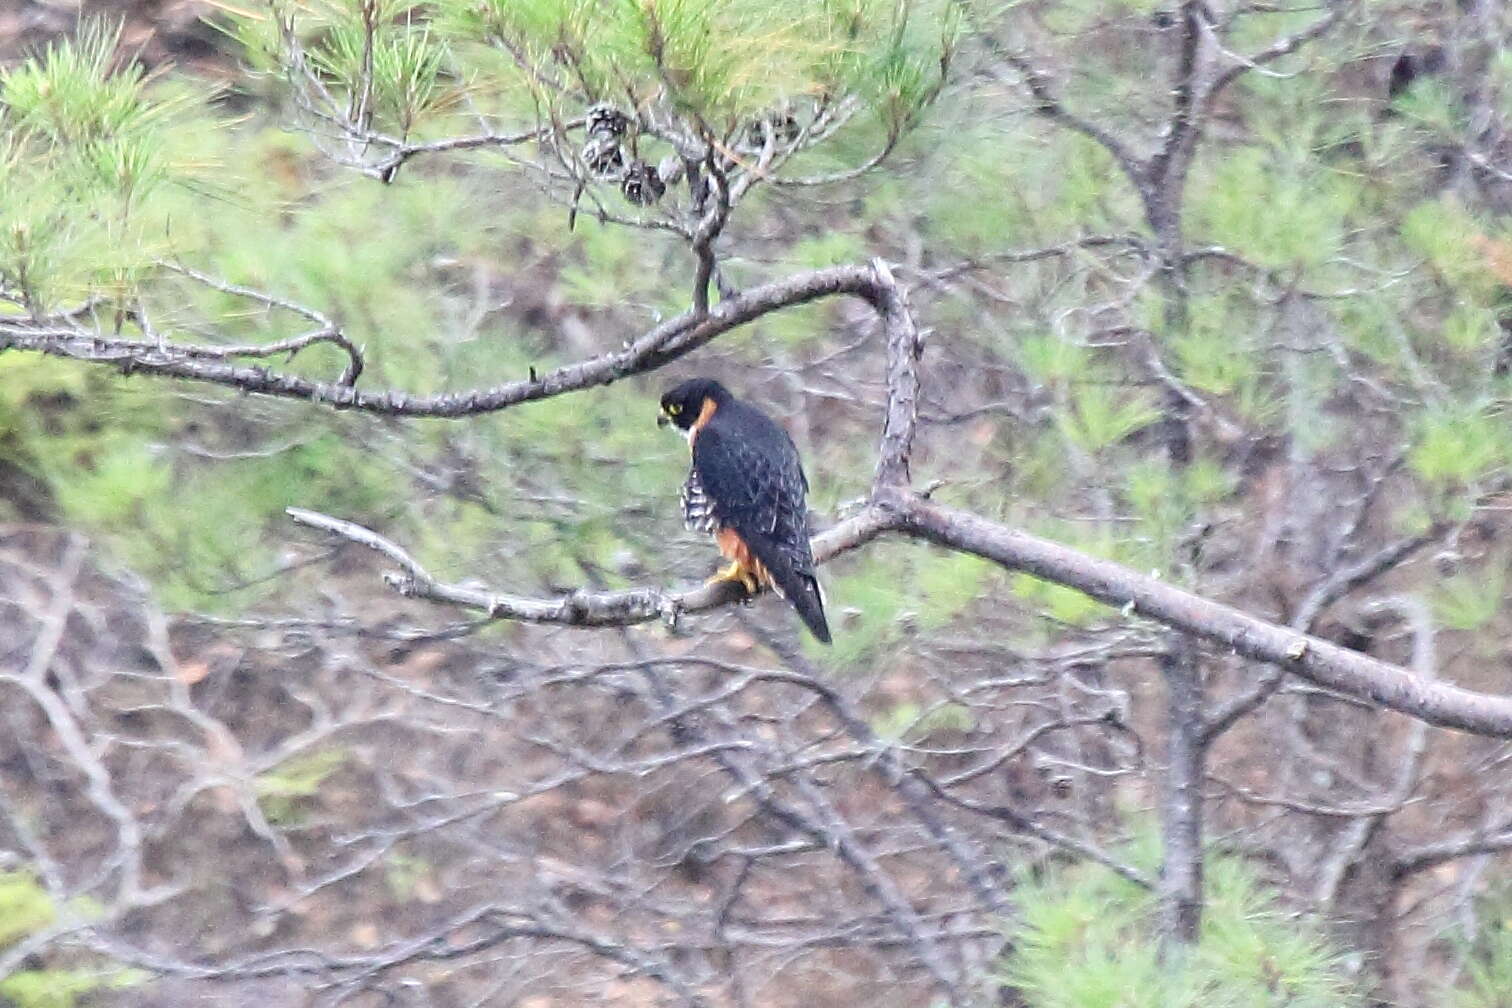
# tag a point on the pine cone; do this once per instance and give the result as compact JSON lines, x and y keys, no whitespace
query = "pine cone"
{"x":603,"y":157}
{"x":784,"y":127}
{"x":607,"y":121}
{"x":642,"y":184}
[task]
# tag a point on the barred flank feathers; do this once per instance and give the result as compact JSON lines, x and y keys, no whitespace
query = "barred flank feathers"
{"x":698,"y":510}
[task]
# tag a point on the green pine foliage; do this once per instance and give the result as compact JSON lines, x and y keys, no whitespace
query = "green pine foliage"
{"x":64,"y":988}
{"x":721,"y":62}
{"x":1487,"y":980}
{"x":886,"y":594}
{"x":1097,"y":417}
{"x":381,"y":60}
{"x":26,"y":909}
{"x":25,"y":906}
{"x":285,"y":792}
{"x":1471,"y":599}
{"x":1279,"y":207}
{"x":1444,"y":233}
{"x":1087,"y":938}
{"x":1483,"y":955}
{"x":88,"y":150}
{"x":1456,"y":445}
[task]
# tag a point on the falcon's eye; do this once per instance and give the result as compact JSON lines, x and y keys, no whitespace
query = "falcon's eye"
{"x":674,"y":409}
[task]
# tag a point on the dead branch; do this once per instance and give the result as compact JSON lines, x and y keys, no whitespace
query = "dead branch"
{"x":657,"y":347}
{"x":580,"y":608}
{"x":1312,"y":658}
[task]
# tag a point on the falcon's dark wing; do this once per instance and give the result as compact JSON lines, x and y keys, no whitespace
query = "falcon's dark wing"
{"x":747,"y":477}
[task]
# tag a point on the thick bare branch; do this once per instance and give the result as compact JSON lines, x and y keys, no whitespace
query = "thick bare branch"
{"x":1314,"y":659}
{"x":904,"y":348}
{"x":664,"y":343}
{"x":1165,"y":181}
{"x":1432,"y":855}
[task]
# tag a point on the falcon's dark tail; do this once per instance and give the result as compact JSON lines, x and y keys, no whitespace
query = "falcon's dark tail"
{"x":798,"y":586}
{"x":809,"y":601}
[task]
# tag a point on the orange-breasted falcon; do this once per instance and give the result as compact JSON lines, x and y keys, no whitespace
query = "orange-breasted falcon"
{"x":747,"y":487}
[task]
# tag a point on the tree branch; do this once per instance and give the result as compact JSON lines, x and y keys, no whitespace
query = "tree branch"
{"x":401,"y":151}
{"x":1432,"y":855}
{"x":659,"y":346}
{"x":893,"y":510}
{"x":1048,"y":105}
{"x":1323,"y":595}
{"x":1353,"y":842}
{"x":1317,"y":660}
{"x":1167,"y":168}
{"x":904,"y":348}
{"x":580,"y":608}
{"x":1128,"y":243}
{"x":1284,"y":46}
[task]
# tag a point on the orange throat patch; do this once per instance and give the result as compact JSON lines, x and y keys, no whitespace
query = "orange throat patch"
{"x":705,"y":414}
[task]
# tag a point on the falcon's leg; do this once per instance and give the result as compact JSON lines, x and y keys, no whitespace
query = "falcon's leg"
{"x":737,"y":571}
{"x":743,"y":567}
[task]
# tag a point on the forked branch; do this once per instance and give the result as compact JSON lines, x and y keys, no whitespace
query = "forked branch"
{"x":895,"y":511}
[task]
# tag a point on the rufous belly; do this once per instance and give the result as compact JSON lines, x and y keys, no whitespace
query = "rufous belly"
{"x":734,"y":549}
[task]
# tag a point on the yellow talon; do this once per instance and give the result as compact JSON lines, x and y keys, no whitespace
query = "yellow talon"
{"x":730,"y":573}
{"x":735,"y":572}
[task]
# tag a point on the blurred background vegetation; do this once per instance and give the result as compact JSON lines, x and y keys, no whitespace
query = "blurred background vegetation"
{"x":1343,"y":351}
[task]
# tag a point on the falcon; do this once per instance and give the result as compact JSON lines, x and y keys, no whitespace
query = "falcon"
{"x":747,"y":488}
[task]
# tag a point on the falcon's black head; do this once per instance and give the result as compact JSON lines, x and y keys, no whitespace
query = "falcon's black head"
{"x":683,"y":404}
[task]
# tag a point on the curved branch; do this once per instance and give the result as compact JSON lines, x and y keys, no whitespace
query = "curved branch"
{"x":846,"y":175}
{"x":892,"y":507}
{"x":659,"y":346}
{"x":400,"y":151}
{"x":1048,"y":105}
{"x":121,"y":352}
{"x":1359,"y":810}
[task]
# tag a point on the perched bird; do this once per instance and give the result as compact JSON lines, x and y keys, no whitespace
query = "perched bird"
{"x":747,"y":487}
